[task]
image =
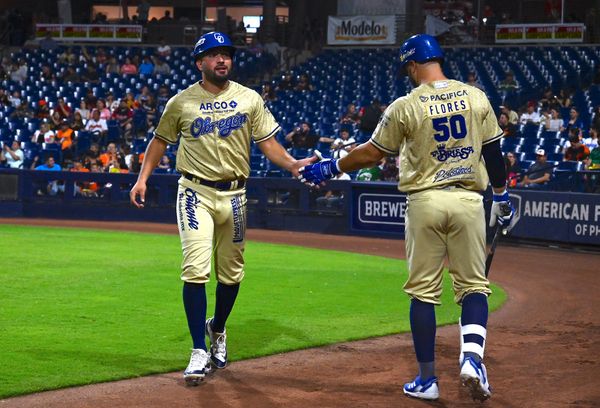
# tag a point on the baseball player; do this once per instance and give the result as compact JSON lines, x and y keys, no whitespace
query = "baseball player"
{"x":447,"y":135}
{"x":215,"y":121}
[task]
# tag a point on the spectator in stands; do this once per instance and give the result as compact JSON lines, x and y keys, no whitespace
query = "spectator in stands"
{"x":549,"y":100}
{"x":142,"y":10}
{"x":513,"y":117}
{"x":53,"y":187}
{"x":577,"y":151}
{"x":163,"y":49}
{"x":472,"y":80}
{"x":48,"y":43}
{"x":128,"y":68}
{"x":64,"y":137}
{"x":161,"y":99}
{"x":539,"y":173}
{"x":331,"y":199}
{"x":508,"y":84}
{"x":124,"y":117}
{"x":129,"y":100}
{"x":84,"y":112}
{"x":374,"y":173}
{"x":112,"y":67}
{"x":390,"y":169}
{"x":369,"y":117}
{"x":46,"y":73}
{"x":239,"y":35}
{"x":19,"y":73}
{"x":11,"y":155}
{"x":553,"y":122}
{"x":15,"y":98}
{"x":531,"y":116}
{"x":4,"y":98}
{"x":564,"y":98}
{"x":508,"y":129}
{"x":100,"y":57}
{"x":70,"y":75}
{"x":146,"y":67}
{"x":64,"y":111}
{"x":97,"y":127}
{"x":43,"y":134}
{"x":351,"y":116}
{"x":161,"y":67}
{"x":148,"y":106}
{"x":91,"y":74}
{"x":77,"y":123}
{"x":596,"y":118}
{"x":268,"y":93}
{"x":166,"y":18}
{"x":513,"y":169}
{"x":304,"y":83}
{"x":90,"y":99}
{"x":286,"y":83}
{"x":255,"y":47}
{"x":302,"y":137}
{"x":111,"y":103}
{"x":42,"y":111}
{"x":165,"y":163}
{"x":109,"y":155}
{"x":574,"y":120}
{"x":67,"y":57}
{"x":104,"y":111}
{"x":343,"y":145}
{"x":592,"y":141}
{"x":22,"y":112}
{"x":55,"y":120}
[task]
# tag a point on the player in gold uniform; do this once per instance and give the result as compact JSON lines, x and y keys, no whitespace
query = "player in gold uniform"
{"x":215,"y":122}
{"x":447,"y":136}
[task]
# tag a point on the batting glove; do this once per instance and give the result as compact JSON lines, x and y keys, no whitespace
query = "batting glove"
{"x":502,"y":210}
{"x":317,"y":173}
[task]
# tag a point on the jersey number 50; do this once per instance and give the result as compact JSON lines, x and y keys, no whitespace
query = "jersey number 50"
{"x":446,"y":127}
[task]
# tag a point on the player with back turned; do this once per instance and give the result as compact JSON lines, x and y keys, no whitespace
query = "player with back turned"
{"x":447,"y":136}
{"x":215,"y":121}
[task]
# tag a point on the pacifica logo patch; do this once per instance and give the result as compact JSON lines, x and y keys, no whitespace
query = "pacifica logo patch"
{"x":204,"y":126}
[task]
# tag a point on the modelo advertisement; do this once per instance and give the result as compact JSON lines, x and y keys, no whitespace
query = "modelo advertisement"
{"x":361,"y":30}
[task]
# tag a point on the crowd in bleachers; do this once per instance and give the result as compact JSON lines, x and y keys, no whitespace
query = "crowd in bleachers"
{"x":72,"y":103}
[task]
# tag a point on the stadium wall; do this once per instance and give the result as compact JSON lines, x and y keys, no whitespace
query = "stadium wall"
{"x":361,"y":208}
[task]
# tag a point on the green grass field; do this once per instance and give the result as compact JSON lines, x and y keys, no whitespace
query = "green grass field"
{"x":83,"y":306}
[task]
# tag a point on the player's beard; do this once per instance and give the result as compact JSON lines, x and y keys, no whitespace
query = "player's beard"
{"x":215,"y":78}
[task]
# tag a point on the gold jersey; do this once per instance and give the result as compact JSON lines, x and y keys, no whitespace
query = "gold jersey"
{"x":439,"y":129}
{"x":216,"y":130}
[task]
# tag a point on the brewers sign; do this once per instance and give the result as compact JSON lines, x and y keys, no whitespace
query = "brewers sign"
{"x":363,"y":30}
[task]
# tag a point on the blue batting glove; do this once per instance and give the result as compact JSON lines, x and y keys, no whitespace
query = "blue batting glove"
{"x":317,"y":173}
{"x":502,"y":210}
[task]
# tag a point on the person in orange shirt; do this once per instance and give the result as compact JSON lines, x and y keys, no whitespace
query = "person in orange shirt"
{"x":64,"y":137}
{"x":110,"y":155}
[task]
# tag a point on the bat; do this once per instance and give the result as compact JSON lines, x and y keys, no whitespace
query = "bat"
{"x":500,"y":231}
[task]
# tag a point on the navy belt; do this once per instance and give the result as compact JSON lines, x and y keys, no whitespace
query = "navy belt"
{"x":218,"y":185}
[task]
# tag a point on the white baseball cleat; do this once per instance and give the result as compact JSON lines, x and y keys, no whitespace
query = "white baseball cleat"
{"x":218,"y":346}
{"x":473,"y":375}
{"x":198,"y":367}
{"x":427,"y":390}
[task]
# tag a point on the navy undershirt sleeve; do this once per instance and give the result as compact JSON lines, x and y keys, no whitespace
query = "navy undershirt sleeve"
{"x":494,"y":163}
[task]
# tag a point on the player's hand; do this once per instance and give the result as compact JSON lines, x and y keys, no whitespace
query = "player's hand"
{"x":137,"y":195}
{"x":502,"y":211}
{"x":315,"y":174}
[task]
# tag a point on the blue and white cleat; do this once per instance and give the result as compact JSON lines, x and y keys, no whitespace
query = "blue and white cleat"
{"x":473,"y":375}
{"x":218,"y":346}
{"x":427,"y":390}
{"x":198,"y":367}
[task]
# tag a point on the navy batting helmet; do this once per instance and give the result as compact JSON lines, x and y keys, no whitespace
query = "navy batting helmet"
{"x":420,"y":48}
{"x":211,"y":40}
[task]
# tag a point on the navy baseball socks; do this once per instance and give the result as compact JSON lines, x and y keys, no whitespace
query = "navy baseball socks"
{"x":194,"y":302}
{"x":215,"y":326}
{"x":473,"y":322}
{"x":422,"y":324}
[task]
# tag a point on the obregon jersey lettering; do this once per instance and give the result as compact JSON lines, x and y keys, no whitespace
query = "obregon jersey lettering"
{"x":215,"y":131}
{"x":439,"y":129}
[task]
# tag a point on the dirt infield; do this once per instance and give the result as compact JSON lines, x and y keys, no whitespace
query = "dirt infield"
{"x":543,"y":347}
